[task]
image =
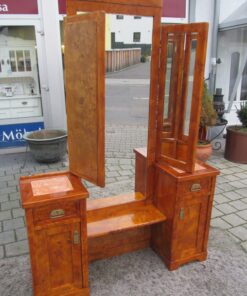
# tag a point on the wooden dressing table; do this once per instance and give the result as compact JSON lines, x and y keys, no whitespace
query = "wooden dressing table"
{"x":171,"y":207}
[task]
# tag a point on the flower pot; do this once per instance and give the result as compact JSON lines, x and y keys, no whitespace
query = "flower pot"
{"x":204,"y":151}
{"x":236,"y":145}
{"x":47,"y":145}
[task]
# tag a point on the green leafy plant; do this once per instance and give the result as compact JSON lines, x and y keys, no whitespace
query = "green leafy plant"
{"x":242,"y":115}
{"x":208,"y":114}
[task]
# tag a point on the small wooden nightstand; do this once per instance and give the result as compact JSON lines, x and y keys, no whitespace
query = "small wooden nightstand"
{"x":55,"y":207}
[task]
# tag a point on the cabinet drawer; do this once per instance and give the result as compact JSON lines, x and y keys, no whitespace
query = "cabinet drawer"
{"x":25,"y":103}
{"x":4,"y":104}
{"x":195,"y":186}
{"x":56,"y":211}
{"x":4,"y":114}
{"x":26,"y":112}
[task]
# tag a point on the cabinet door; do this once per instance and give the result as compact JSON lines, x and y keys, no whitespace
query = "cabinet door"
{"x":58,"y":259}
{"x":84,"y":38}
{"x":190,"y":223}
{"x":183,"y":52}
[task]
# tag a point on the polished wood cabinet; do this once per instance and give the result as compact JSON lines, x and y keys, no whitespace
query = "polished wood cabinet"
{"x":56,"y":220}
{"x":186,"y":200}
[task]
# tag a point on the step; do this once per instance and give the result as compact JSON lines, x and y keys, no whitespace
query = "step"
{"x":141,"y":216}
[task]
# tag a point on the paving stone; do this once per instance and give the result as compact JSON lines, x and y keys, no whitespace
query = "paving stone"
{"x":233,"y":219}
{"x":226,"y":208}
{"x":231,"y":178}
{"x":219,"y":223}
{"x":219,"y":198}
{"x":21,"y":234}
{"x":237,"y":169}
{"x":244,"y":181}
{"x":243,"y":214}
{"x":126,"y":167}
{"x":125,"y":161}
{"x":244,"y":199}
{"x":7,"y":237}
{"x":8,"y":205}
{"x":110,"y":180}
{"x":5,"y":215}
{"x":16,"y":249}
{"x":218,"y":190}
{"x":226,"y":187}
{"x":4,"y":197}
{"x":238,"y":241}
{"x":18,"y":213}
{"x":1,"y":252}
{"x":14,"y":196}
{"x":13,"y":183}
{"x":227,"y":171}
{"x":216,"y":213}
{"x":13,"y":224}
{"x":242,"y":192}
{"x":237,"y":184}
{"x":112,"y":174}
{"x":9,"y":190}
{"x":126,"y":173}
{"x":113,"y":168}
{"x":244,"y":246}
{"x":239,"y":205}
{"x":241,"y":176}
{"x":221,"y":180}
{"x":3,"y":184}
{"x":240,"y":232}
{"x":6,"y":178}
{"x":233,"y":195}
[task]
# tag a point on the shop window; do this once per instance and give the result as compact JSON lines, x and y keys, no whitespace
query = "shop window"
{"x":243,"y":95}
{"x":136,"y":37}
{"x":235,"y":56}
{"x":119,"y":17}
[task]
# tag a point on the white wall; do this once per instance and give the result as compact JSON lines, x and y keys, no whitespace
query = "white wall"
{"x":205,"y":13}
{"x":227,"y":7}
{"x":124,"y":29}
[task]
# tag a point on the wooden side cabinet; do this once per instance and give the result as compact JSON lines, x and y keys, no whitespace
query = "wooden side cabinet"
{"x":186,"y":199}
{"x":55,"y":207}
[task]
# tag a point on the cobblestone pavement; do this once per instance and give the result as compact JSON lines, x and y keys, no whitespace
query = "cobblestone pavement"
{"x":230,"y":205}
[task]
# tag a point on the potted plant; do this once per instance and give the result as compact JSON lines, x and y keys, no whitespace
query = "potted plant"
{"x":208,"y":118}
{"x":236,"y":138}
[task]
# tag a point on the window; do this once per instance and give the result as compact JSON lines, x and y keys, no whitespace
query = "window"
{"x":243,"y":95}
{"x":119,"y":17}
{"x":137,"y":17}
{"x":235,"y":56}
{"x":136,"y":37}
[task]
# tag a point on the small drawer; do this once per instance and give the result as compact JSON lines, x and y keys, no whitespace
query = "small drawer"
{"x":195,"y":186}
{"x":25,"y":103}
{"x":56,"y":211}
{"x":4,"y":114}
{"x":4,"y":104}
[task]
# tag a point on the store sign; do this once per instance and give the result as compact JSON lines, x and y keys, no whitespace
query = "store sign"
{"x":18,"y":7}
{"x":174,"y":8}
{"x":11,"y":135}
{"x":171,"y":8}
{"x":62,"y":6}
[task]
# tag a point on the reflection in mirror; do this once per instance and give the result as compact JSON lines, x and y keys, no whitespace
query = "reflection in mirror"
{"x":193,"y":46}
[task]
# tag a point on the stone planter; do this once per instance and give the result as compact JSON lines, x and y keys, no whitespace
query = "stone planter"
{"x":204,"y":151}
{"x":236,"y":145}
{"x":47,"y":145}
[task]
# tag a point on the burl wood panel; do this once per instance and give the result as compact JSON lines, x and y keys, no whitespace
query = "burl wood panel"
{"x":175,"y":146}
{"x":84,"y":37}
{"x":140,"y":170}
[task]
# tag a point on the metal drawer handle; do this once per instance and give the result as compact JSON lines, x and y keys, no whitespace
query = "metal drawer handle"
{"x":58,"y":213}
{"x":24,"y":103}
{"x":76,"y":237}
{"x":196,"y":187}
{"x":181,"y":214}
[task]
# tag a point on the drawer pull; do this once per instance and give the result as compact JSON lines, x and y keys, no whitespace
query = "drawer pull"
{"x":76,"y":238}
{"x":181,"y":214}
{"x":24,"y":103}
{"x":57,"y":213}
{"x":195,"y":187}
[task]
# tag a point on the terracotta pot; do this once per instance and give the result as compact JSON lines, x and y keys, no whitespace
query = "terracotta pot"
{"x":204,"y":151}
{"x":236,"y":145}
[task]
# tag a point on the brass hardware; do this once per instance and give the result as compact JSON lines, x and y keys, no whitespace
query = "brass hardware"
{"x":181,"y":214}
{"x":58,"y":213}
{"x":76,"y":238}
{"x":195,"y":187}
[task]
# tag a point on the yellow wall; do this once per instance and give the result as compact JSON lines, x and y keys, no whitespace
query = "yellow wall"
{"x":108,"y":32}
